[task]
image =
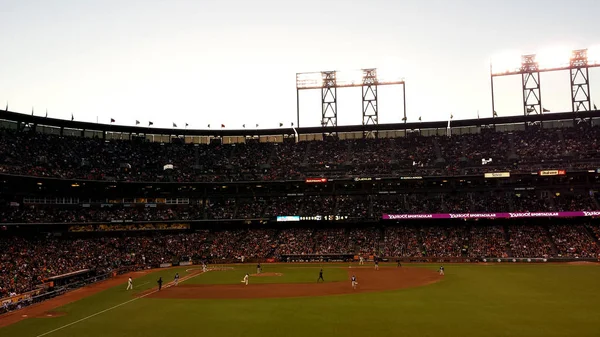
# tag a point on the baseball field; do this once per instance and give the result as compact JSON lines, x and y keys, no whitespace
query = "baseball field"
{"x":286,"y":300}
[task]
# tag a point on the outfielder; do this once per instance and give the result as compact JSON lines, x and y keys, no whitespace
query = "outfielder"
{"x":442,"y":270}
{"x":320,"y":276}
{"x":245,"y":280}
{"x":361,"y":260}
{"x":354,"y":282}
{"x":129,"y":284}
{"x":258,"y":268}
{"x":203,"y":267}
{"x":376,"y":264}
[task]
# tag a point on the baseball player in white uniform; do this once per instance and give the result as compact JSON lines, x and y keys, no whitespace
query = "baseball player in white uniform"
{"x":361,"y":260}
{"x":245,"y":280}
{"x":129,"y":284}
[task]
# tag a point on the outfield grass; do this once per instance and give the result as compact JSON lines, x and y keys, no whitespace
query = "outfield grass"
{"x":472,"y":300}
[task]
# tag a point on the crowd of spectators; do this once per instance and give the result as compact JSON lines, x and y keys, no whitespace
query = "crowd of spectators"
{"x":331,"y":241}
{"x":256,"y":244}
{"x":75,"y":214}
{"x":295,"y":241}
{"x":529,"y":241}
{"x":487,"y":241}
{"x":402,"y":241}
{"x":444,"y":241}
{"x":351,"y":206}
{"x":568,"y":202}
{"x":26,"y":263}
{"x":37,"y":154}
{"x":364,"y":241}
{"x":574,"y":241}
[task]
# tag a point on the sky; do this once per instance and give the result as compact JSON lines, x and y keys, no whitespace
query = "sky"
{"x":234,"y":62}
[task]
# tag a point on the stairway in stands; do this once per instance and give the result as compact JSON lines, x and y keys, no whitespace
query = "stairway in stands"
{"x":507,"y":240}
{"x":551,"y":239}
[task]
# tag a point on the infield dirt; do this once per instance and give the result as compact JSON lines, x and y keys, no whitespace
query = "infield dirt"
{"x":369,"y":280}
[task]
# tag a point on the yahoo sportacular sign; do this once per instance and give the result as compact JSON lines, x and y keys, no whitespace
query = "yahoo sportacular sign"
{"x":490,"y":215}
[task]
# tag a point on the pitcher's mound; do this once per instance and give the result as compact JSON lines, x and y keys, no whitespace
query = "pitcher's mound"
{"x":266,"y":274}
{"x":52,"y":314}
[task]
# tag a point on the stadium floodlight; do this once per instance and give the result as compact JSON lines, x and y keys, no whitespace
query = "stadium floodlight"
{"x":346,"y":78}
{"x":555,"y":57}
{"x":576,"y":61}
{"x":329,"y":81}
{"x":309,"y":80}
{"x":593,"y":55}
{"x":506,"y":62}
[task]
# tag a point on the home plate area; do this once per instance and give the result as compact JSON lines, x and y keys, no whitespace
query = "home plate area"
{"x":370,"y":280}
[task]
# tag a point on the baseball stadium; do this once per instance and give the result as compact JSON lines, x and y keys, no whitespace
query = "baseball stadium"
{"x":409,"y":222}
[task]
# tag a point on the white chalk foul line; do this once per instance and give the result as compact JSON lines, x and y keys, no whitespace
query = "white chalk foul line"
{"x":116,"y":306}
{"x":139,"y":285}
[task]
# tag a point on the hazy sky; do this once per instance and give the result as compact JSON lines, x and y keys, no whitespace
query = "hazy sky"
{"x":234,"y":62}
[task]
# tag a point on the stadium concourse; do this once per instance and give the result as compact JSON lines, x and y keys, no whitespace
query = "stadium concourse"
{"x":90,"y":207}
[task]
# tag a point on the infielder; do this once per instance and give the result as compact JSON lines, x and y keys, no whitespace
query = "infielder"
{"x":129,"y":284}
{"x":320,"y":276}
{"x":442,"y":270}
{"x":354,"y":282}
{"x":376,"y":264}
{"x":361,"y":260}
{"x":245,"y":280}
{"x":176,"y":280}
{"x":258,"y":268}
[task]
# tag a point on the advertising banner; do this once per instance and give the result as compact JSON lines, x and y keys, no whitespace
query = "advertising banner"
{"x":496,"y":175}
{"x":552,"y":173}
{"x":491,"y":215}
{"x":315,"y":180}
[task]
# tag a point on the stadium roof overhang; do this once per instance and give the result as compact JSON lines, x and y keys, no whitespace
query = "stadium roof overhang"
{"x":60,"y":123}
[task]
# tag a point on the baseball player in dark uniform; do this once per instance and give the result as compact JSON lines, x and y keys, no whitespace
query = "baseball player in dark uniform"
{"x":159,"y":283}
{"x":176,"y":280}
{"x":354,"y":282}
{"x":320,"y":276}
